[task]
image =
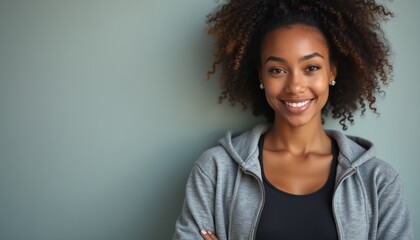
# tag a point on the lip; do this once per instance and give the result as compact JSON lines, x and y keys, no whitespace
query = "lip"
{"x":297,"y":106}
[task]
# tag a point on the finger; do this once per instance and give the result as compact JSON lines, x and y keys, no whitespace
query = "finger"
{"x":205,"y":235}
{"x":212,"y":235}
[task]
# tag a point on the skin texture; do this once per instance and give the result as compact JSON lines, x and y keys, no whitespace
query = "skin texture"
{"x":295,"y":68}
{"x":352,"y":29}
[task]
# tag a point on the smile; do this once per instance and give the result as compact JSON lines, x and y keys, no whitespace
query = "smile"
{"x":297,"y":104}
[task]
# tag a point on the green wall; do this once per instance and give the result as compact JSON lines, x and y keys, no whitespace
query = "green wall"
{"x":104,"y":108}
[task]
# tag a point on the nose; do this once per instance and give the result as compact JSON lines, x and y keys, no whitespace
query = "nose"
{"x":295,"y":84}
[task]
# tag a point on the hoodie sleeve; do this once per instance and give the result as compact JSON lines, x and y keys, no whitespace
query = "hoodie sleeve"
{"x":198,"y":209}
{"x":394,"y":220}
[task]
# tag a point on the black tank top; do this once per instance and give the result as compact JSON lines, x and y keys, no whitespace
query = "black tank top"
{"x":298,"y":217}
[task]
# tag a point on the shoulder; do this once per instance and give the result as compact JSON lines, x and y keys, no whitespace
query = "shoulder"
{"x":378,"y":172}
{"x":215,"y":163}
{"x":213,"y":156}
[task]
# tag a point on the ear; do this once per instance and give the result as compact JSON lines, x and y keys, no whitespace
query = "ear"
{"x":333,"y":71}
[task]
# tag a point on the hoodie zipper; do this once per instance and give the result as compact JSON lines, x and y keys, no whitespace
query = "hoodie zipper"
{"x":262,"y":192}
{"x":345,"y":176}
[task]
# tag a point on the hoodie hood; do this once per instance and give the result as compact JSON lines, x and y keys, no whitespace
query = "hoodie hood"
{"x":243,"y":148}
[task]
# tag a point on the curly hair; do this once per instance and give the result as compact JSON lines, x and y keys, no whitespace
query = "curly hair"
{"x":354,"y":36}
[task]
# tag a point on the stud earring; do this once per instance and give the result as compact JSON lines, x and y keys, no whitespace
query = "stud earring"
{"x":333,"y":82}
{"x":261,"y":86}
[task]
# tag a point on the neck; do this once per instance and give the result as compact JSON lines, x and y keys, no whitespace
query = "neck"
{"x":300,"y":140}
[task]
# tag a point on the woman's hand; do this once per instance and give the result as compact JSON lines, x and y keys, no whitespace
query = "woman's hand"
{"x":207,"y":235}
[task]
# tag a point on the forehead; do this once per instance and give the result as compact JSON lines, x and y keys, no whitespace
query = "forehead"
{"x":297,"y":39}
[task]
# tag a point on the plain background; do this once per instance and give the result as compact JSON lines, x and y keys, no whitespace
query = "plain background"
{"x":104,"y":108}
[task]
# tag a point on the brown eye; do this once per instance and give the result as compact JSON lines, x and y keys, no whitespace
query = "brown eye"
{"x":277,"y":71}
{"x":312,"y":68}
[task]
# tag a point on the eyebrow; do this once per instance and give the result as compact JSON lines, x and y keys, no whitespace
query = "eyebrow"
{"x":304,"y":58}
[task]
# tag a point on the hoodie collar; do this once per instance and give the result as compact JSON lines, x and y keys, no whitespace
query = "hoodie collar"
{"x":243,"y":148}
{"x":354,"y":151}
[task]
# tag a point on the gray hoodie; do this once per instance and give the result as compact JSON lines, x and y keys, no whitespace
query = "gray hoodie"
{"x":225,"y":194}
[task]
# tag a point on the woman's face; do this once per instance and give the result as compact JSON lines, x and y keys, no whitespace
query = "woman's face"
{"x":296,"y":72}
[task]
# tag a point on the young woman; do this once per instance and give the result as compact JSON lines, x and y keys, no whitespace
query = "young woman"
{"x":295,"y":61}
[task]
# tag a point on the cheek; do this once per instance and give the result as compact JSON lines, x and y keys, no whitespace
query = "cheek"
{"x":321,"y":85}
{"x":273,"y":88}
{"x":273,"y":84}
{"x":321,"y":89}
{"x":272,"y":96}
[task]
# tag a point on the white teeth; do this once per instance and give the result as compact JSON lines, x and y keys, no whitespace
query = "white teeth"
{"x":298,"y":104}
